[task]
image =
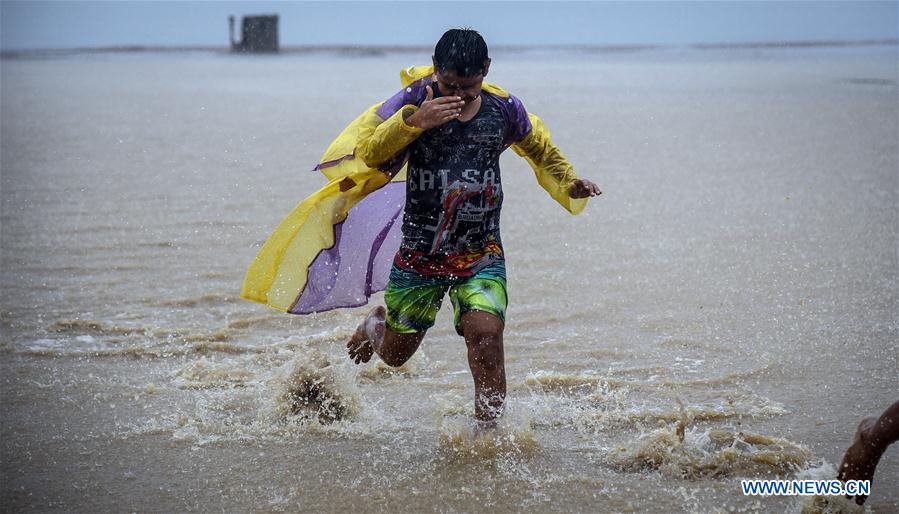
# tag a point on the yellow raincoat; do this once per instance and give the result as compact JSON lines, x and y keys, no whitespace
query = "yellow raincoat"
{"x":295,"y":269}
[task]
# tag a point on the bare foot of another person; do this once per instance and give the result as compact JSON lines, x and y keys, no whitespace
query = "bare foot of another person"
{"x":860,"y":460}
{"x":359,"y":347}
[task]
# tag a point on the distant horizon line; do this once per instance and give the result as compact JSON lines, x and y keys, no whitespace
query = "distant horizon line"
{"x":379,"y":49}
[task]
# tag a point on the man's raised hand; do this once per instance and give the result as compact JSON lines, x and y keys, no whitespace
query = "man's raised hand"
{"x":436,"y":112}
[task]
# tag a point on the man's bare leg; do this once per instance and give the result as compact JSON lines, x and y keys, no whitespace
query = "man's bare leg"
{"x":373,"y":337}
{"x":484,"y":339}
{"x":872,"y":438}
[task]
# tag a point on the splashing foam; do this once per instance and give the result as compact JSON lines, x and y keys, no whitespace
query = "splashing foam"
{"x":823,"y":504}
{"x":592,"y":403}
{"x":203,"y":374}
{"x":695,"y":453}
{"x":469,"y":443}
{"x":380,"y":371}
{"x":461,"y":439}
{"x":571,"y":383}
{"x":316,"y":389}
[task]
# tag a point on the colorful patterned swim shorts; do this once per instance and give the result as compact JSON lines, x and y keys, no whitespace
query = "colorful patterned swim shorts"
{"x":413,"y":299}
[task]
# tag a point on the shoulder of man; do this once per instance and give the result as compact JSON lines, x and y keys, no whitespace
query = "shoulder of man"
{"x":516,"y":116}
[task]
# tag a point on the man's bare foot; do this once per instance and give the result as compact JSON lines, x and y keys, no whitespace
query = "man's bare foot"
{"x":862,"y":457}
{"x":360,"y":347}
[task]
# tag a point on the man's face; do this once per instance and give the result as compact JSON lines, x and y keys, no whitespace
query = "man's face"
{"x":468,"y":88}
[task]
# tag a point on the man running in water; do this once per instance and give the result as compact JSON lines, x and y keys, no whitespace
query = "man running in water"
{"x":454,"y":136}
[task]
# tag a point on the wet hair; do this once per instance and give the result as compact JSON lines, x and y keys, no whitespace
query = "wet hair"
{"x":463,"y":51}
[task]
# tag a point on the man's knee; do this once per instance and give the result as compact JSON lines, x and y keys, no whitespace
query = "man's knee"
{"x":398,"y":348}
{"x":485,"y":348}
{"x":395,"y":359}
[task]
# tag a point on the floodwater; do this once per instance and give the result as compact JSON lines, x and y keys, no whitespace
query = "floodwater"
{"x":728,"y":309}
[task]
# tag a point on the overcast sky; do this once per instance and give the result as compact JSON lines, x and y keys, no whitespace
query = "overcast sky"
{"x":37,"y":24}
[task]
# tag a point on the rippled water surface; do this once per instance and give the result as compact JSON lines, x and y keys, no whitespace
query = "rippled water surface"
{"x":727,"y":309}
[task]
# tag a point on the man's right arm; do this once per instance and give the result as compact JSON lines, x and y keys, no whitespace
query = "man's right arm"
{"x":381,"y":139}
{"x":399,"y":121}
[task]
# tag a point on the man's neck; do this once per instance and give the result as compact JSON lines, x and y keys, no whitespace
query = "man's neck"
{"x":470,"y":109}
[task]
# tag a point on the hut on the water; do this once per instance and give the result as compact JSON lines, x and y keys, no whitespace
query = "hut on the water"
{"x":258,"y":34}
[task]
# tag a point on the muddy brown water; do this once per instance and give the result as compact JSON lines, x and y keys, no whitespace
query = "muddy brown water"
{"x":727,"y":309}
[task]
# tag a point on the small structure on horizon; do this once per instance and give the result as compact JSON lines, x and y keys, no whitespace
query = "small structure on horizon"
{"x":259,"y":34}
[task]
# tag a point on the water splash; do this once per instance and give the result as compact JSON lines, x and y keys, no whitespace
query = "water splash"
{"x":316,"y":389}
{"x":693,"y":453}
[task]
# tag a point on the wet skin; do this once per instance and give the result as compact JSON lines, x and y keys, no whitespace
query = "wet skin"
{"x":871,"y":440}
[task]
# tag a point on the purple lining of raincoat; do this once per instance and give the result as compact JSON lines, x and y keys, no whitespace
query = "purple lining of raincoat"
{"x":334,"y":162}
{"x":358,"y":264}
